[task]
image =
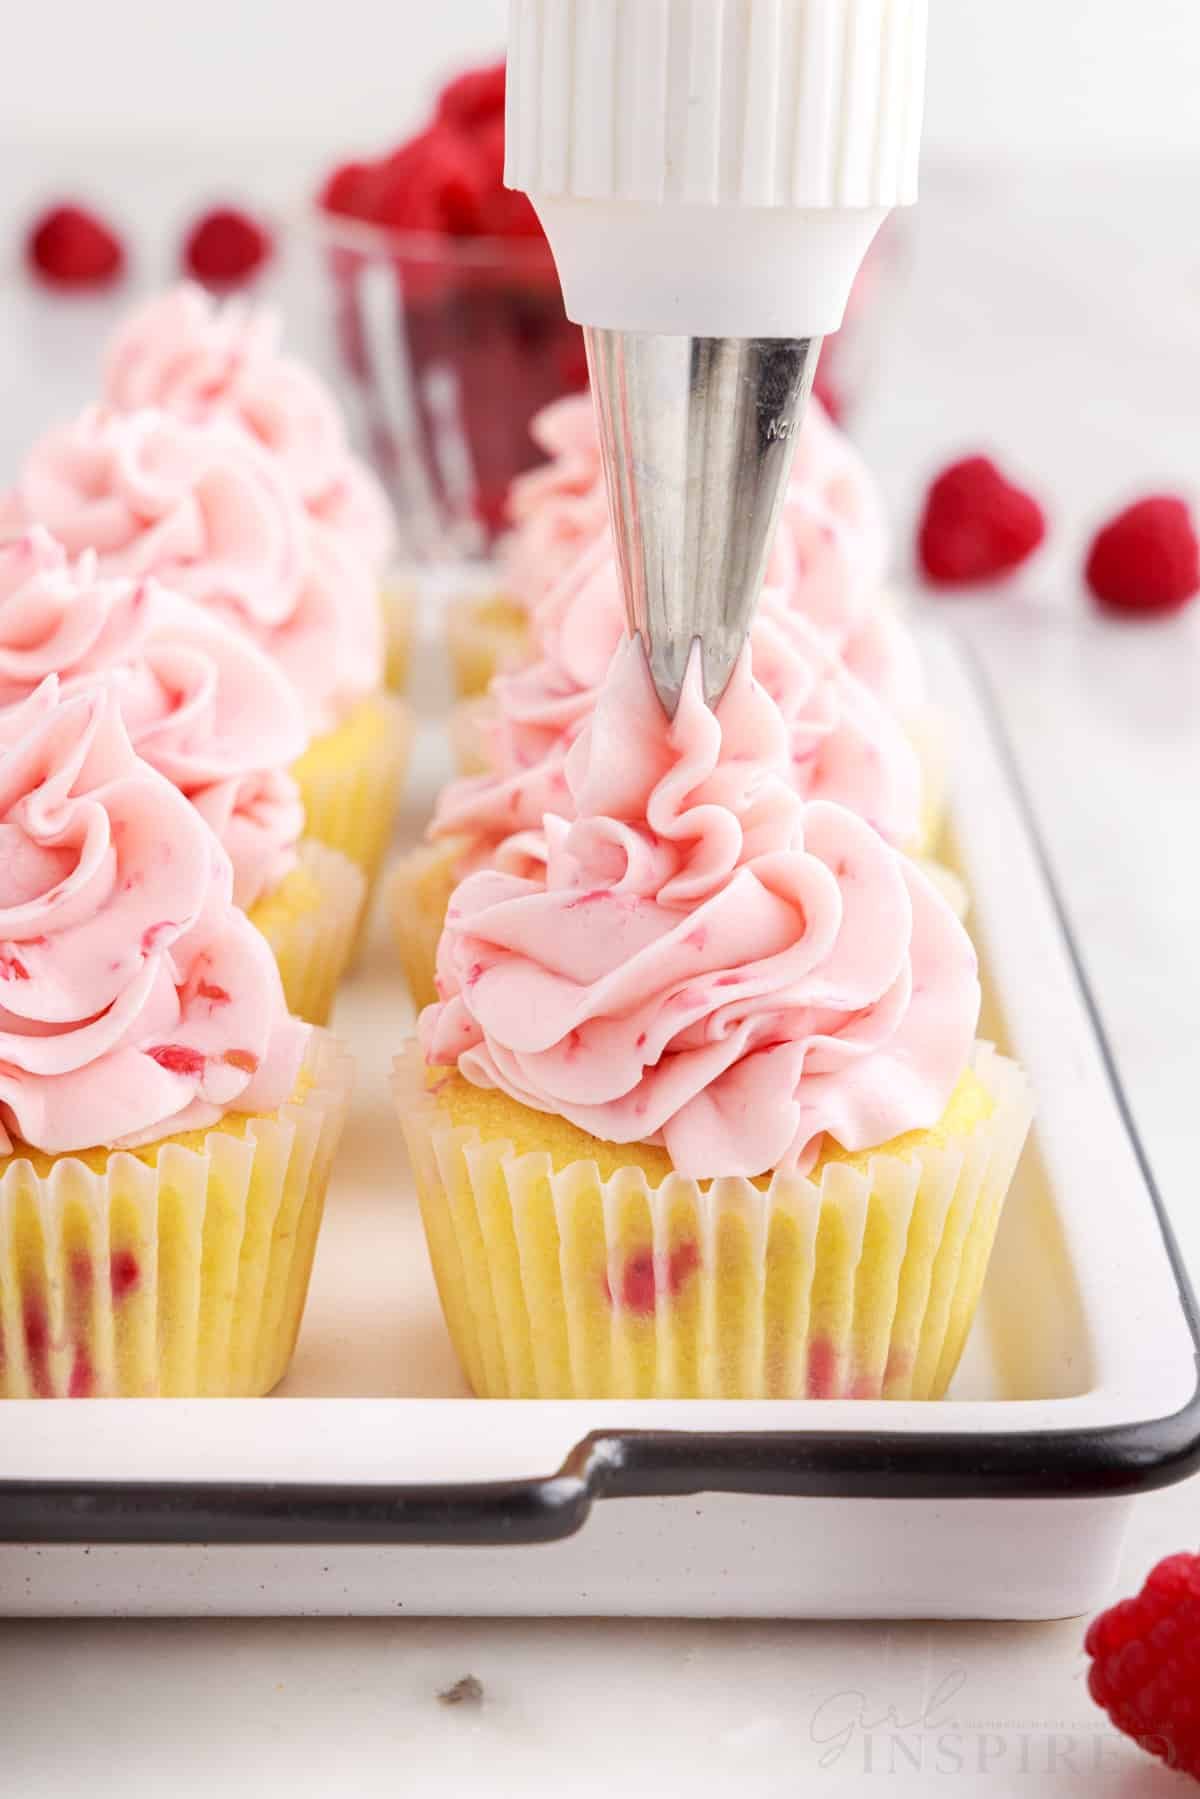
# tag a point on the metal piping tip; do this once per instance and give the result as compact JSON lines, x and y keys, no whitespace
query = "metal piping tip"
{"x":698,"y":436}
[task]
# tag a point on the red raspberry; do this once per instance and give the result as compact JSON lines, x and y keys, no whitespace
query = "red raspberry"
{"x":350,"y":190}
{"x":1147,"y":559}
{"x":1146,"y":1664}
{"x":474,"y":98}
{"x":70,"y":247}
{"x":977,"y":525}
{"x":434,"y":183}
{"x":225,"y":247}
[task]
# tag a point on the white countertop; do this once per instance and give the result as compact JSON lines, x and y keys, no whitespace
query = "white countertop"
{"x":1057,"y":320}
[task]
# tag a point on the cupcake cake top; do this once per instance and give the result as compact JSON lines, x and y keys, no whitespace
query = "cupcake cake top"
{"x":200,"y":703}
{"x":709,"y":962}
{"x":136,"y":1000}
{"x":185,"y":354}
{"x":211,"y":514}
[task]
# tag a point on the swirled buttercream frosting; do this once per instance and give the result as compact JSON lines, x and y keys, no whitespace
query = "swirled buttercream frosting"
{"x":136,"y":1000}
{"x":201,"y":704}
{"x":198,"y":359}
{"x":707,"y":961}
{"x":210,"y":513}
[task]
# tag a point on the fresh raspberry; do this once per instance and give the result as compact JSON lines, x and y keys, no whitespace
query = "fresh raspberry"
{"x":350,"y":190}
{"x":977,"y":525}
{"x":1147,"y":559}
{"x":1146,"y":1664}
{"x":436,"y":182}
{"x":225,"y":247}
{"x":71,"y":247}
{"x":473,"y":99}
{"x":449,"y":178}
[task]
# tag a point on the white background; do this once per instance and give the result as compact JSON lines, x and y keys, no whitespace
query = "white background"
{"x":1054,"y":316}
{"x":1024,"y":78}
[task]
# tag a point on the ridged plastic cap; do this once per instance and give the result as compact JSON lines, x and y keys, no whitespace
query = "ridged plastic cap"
{"x":631,"y":123}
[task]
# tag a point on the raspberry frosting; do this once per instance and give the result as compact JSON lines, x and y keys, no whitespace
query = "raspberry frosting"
{"x":559,"y":508}
{"x":135,"y":999}
{"x":187,"y":355}
{"x":201,"y":704}
{"x":709,"y":962}
{"x":211,"y":514}
{"x":830,"y":553}
{"x":844,"y":744}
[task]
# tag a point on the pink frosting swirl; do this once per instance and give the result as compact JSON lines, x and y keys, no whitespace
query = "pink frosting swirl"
{"x":844,"y":745}
{"x":828,"y":467}
{"x":830,"y":553}
{"x":558,"y":508}
{"x":710,"y":963}
{"x":135,"y":999}
{"x":201,"y":704}
{"x":210,"y":514}
{"x":185,"y":354}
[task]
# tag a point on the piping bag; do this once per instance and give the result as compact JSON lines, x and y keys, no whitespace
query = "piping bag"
{"x":710,"y":175}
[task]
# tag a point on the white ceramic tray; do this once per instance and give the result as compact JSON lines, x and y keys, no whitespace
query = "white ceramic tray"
{"x":373,"y":1483}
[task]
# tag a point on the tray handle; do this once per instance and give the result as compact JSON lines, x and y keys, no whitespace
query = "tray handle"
{"x":629,"y":1464}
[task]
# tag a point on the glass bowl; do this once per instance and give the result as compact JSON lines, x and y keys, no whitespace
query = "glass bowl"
{"x":446,"y":348}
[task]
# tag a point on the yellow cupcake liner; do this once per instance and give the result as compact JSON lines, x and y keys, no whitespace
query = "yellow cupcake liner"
{"x":311,"y":922}
{"x":420,"y":886}
{"x":399,"y":606}
{"x":350,"y":781}
{"x":485,"y":634}
{"x":177,"y":1271}
{"x":556,"y":1283}
{"x":466,"y":735}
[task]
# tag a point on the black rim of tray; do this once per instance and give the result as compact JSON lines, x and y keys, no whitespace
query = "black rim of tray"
{"x":625,"y":1464}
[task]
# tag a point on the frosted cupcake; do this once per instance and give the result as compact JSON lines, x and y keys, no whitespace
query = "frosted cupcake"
{"x":832,"y":539}
{"x":844,"y":745}
{"x":700,"y":1111}
{"x":211,"y":713}
{"x":186,"y":355}
{"x":829,"y":559}
{"x":211,"y":514}
{"x":166,"y":1130}
{"x":557,"y":511}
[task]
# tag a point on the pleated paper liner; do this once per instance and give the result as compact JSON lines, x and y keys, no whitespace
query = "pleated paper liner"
{"x":178,"y":1271}
{"x":311,"y":921}
{"x":485,"y":634}
{"x":351,"y":780}
{"x":419,"y":889}
{"x":399,"y":605}
{"x":860,"y":1283}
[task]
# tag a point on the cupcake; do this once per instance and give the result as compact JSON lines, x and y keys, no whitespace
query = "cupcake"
{"x":844,"y":745}
{"x":207,"y":511}
{"x":557,"y":511}
{"x":166,"y":1129}
{"x":187,"y":355}
{"x":699,"y":1111}
{"x":831,"y":548}
{"x":211,"y":713}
